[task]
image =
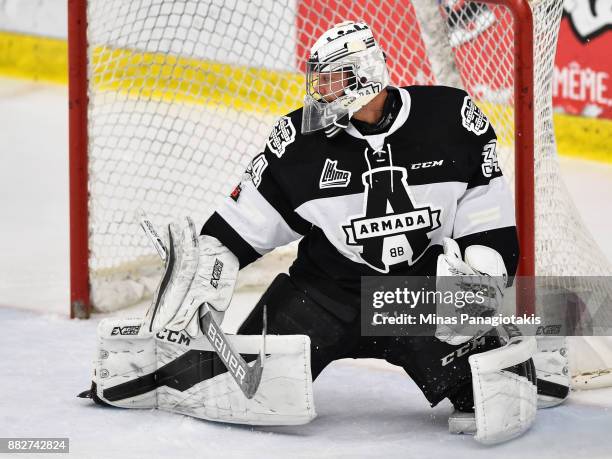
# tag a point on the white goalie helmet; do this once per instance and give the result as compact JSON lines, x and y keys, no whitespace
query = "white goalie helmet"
{"x":345,"y":71}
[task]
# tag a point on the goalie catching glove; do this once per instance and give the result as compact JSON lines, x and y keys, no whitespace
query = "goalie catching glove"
{"x":477,"y":283}
{"x":161,"y":363}
{"x":199,"y":270}
{"x":192,"y":289}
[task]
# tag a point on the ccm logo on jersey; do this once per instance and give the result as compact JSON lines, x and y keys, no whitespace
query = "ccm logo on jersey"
{"x":427,"y":164}
{"x":332,"y":176}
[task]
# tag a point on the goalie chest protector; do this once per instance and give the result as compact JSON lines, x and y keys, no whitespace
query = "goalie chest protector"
{"x":378,"y":204}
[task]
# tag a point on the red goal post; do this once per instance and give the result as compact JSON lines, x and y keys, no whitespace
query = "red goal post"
{"x":80,"y":301}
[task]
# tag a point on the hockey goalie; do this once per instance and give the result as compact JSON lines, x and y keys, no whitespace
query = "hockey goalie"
{"x":359,"y":151}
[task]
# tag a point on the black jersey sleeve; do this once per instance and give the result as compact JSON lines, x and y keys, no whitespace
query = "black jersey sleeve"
{"x":485,"y":212}
{"x":258,"y":215}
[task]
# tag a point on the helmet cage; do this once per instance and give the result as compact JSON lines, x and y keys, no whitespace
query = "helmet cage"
{"x":327,"y":81}
{"x":340,"y":88}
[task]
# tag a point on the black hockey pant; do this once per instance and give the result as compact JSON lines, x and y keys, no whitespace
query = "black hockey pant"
{"x":439,"y":369}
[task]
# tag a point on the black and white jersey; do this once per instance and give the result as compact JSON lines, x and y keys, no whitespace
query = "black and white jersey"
{"x":377,"y":204}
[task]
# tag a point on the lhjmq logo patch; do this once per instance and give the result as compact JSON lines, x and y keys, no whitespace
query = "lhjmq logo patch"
{"x":392,"y":229}
{"x":332,"y":177}
{"x":283,"y":134}
{"x":472,"y":117}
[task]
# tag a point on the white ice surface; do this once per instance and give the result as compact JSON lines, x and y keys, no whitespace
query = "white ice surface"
{"x":366,"y":408}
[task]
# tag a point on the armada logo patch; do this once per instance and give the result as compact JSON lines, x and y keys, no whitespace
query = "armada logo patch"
{"x":472,"y":117}
{"x":283,"y":134}
{"x":366,"y":228}
{"x":332,"y":177}
{"x":392,"y":229}
{"x":129,"y":330}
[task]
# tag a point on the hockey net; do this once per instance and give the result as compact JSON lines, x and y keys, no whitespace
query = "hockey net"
{"x":182,"y":95}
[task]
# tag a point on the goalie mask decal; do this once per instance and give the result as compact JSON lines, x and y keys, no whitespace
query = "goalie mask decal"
{"x":472,"y":117}
{"x":392,"y":228}
{"x":283,"y":134}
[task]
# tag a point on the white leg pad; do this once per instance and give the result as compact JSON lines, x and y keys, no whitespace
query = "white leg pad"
{"x":552,"y":367}
{"x":171,"y":372}
{"x":505,"y":403}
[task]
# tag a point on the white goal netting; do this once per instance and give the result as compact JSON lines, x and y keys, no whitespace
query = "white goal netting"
{"x":183,"y":93}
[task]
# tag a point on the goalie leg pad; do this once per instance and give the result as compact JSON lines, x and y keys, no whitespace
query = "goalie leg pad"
{"x":126,"y":352}
{"x":505,"y":394}
{"x":552,"y":371}
{"x":174,"y":372}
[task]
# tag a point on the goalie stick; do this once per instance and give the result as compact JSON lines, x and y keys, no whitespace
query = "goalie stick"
{"x":246,"y":376}
{"x":149,"y":230}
